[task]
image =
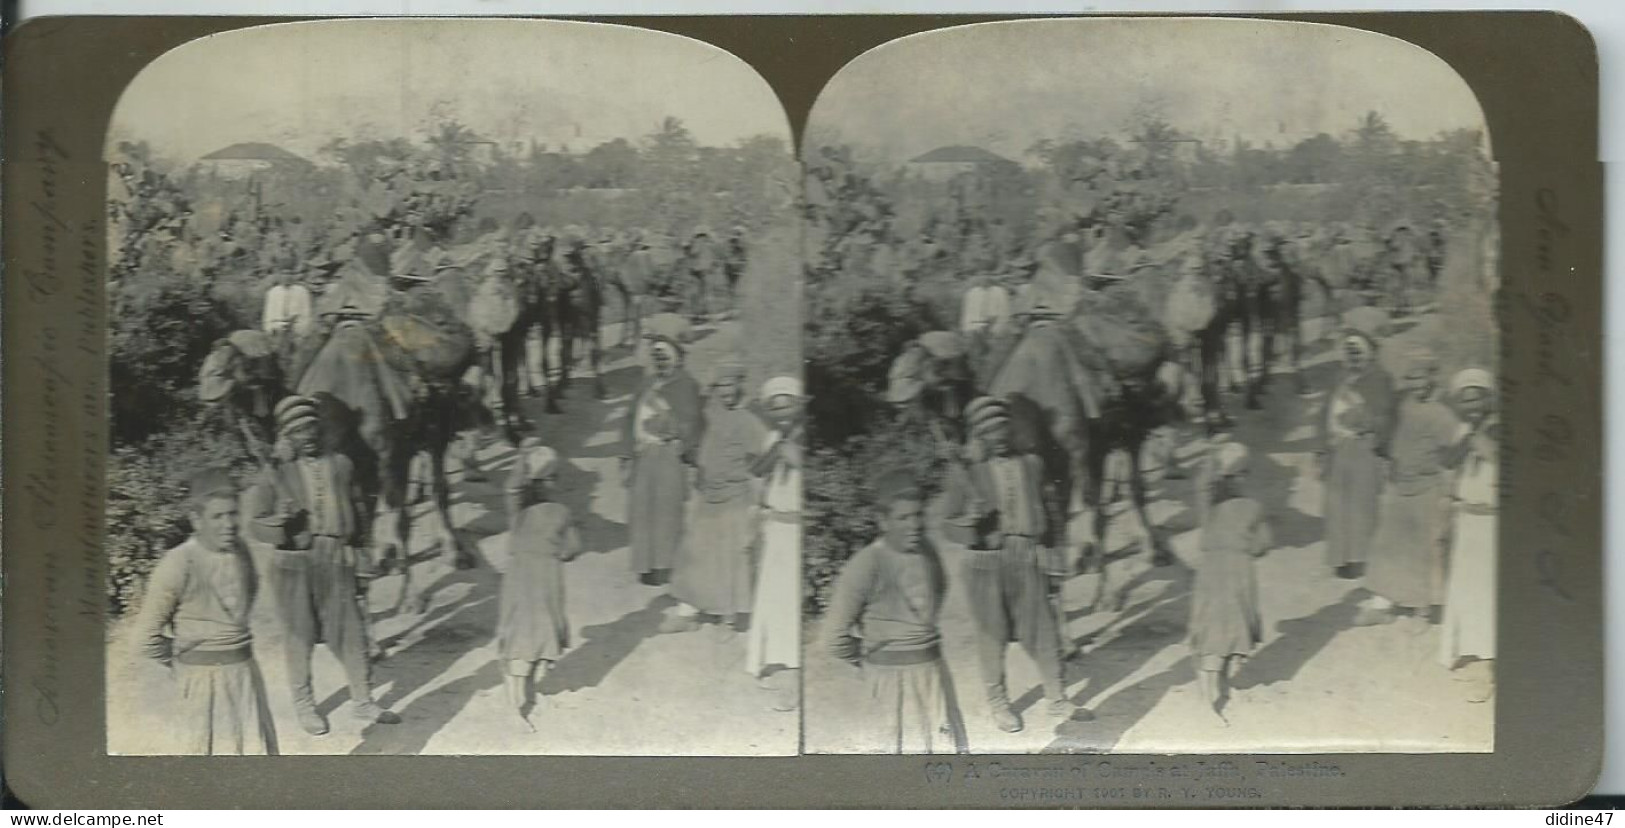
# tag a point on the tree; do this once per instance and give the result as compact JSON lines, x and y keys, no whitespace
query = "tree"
{"x":610,"y":164}
{"x":1316,"y":160}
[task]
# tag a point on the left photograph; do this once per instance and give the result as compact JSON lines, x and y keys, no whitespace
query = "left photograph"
{"x":456,"y":396}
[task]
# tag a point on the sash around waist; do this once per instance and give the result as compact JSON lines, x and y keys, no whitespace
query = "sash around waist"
{"x":903,"y":658}
{"x":216,"y":658}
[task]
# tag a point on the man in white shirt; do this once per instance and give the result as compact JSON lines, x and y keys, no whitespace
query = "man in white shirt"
{"x":986,"y":308}
{"x":287,"y":307}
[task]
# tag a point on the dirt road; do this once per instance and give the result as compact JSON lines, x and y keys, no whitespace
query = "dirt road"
{"x":1316,"y":684}
{"x":623,"y":689}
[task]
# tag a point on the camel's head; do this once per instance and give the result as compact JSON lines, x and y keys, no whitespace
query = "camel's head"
{"x":241,"y":372}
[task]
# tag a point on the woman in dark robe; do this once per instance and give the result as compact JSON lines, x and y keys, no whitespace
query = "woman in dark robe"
{"x":661,"y":432}
{"x":713,"y":574}
{"x":1406,"y":572}
{"x":1354,"y":431}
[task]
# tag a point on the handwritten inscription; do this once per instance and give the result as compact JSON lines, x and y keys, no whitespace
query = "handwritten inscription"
{"x":1554,"y":434}
{"x":64,"y":279}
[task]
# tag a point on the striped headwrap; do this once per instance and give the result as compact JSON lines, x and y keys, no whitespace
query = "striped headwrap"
{"x":293,"y":412}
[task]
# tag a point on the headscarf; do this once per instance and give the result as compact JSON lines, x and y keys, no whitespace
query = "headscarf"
{"x":540,"y":462}
{"x":729,"y":370}
{"x":1423,"y":363}
{"x":1232,"y":458}
{"x":781,"y":385}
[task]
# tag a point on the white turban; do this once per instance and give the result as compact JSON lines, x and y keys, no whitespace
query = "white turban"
{"x":786,"y":385}
{"x":540,"y":462}
{"x":1471,"y":378}
{"x":1232,"y":459}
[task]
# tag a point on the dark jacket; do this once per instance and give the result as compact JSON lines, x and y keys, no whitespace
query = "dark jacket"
{"x":279,"y":505}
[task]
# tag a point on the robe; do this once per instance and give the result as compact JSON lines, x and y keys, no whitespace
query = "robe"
{"x":660,"y":435}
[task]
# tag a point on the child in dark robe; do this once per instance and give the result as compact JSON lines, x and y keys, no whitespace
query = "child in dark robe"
{"x":532,"y":630}
{"x":1225,"y":625}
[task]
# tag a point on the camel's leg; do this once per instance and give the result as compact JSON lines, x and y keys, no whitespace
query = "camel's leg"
{"x":1248,"y":367}
{"x":626,"y":315}
{"x":595,"y":353}
{"x":1293,"y":319}
{"x":550,"y":326}
{"x":510,"y":353}
{"x":568,"y":332}
{"x":1213,"y":357}
{"x":1151,"y":543}
{"x":446,"y":536}
{"x":392,"y":531}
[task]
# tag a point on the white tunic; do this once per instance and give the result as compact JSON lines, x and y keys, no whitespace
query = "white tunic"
{"x":1468,"y":629}
{"x":287,"y":308}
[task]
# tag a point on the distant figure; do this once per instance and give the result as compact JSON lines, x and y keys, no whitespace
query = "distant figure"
{"x":713,"y":572}
{"x":287,"y":309}
{"x":1406,"y":571}
{"x":702,"y":262}
{"x":986,"y":308}
{"x":1438,"y":233}
{"x":775,"y":626}
{"x":1225,"y":624}
{"x":533,"y":630}
{"x":1468,"y":631}
{"x":882,"y":619}
{"x":637,"y":277}
{"x":1354,"y":431}
{"x":733,"y":266}
{"x":204,"y":590}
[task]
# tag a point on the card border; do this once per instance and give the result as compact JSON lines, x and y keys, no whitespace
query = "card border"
{"x":1536,"y":77}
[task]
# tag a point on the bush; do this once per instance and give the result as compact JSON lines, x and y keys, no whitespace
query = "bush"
{"x":146,"y":500}
{"x":164,"y":324}
{"x":840,"y":509}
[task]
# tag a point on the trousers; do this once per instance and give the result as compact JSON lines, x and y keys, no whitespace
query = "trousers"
{"x":1009,"y":600}
{"x":317,"y":603}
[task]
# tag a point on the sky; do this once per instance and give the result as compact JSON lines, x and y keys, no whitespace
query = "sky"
{"x":1003,"y":86}
{"x":299,"y":85}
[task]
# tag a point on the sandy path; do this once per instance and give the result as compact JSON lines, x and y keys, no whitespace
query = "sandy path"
{"x":1316,"y":684}
{"x":622,"y":689}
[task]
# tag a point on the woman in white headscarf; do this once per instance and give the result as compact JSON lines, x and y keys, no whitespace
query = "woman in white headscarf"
{"x":1468,"y":631}
{"x":661,"y":432}
{"x":1354,"y":431}
{"x":775,"y":625}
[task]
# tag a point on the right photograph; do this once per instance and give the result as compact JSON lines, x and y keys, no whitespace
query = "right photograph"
{"x":1152,"y":368}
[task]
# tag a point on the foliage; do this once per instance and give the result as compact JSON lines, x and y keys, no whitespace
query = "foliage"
{"x":146,"y":500}
{"x":193,"y":250}
{"x":839,"y":505}
{"x":1157,"y":182}
{"x":164,"y":324}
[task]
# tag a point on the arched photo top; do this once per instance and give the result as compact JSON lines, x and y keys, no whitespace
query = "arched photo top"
{"x":1217,"y":81}
{"x":289,"y":89}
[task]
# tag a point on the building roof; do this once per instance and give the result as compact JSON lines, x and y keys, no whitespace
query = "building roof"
{"x":961,"y":155}
{"x":255,"y":151}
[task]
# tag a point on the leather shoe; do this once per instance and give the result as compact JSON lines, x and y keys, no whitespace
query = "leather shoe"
{"x":369,"y":711}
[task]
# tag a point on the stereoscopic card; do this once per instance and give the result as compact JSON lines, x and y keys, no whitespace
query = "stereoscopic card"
{"x":799,"y":411}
